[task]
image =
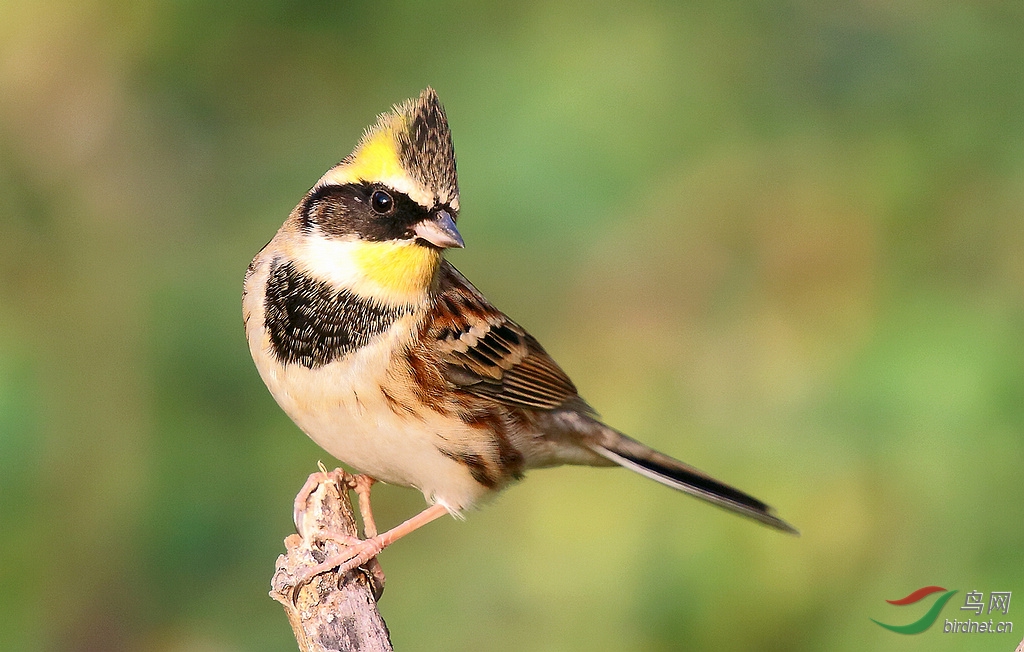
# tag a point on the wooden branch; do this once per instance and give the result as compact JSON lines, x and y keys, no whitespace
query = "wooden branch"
{"x":328,"y":613}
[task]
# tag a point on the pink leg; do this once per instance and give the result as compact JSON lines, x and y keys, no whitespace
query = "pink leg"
{"x":358,"y":553}
{"x":362,"y":483}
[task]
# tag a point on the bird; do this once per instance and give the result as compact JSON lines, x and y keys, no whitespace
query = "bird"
{"x":388,"y":358}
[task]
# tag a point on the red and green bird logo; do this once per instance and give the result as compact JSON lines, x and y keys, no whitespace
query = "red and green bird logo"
{"x":925,"y":621}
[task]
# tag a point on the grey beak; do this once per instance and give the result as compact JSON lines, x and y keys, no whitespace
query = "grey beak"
{"x":440,"y":231}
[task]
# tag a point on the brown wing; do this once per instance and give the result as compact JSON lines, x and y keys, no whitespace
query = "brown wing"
{"x":487,"y":354}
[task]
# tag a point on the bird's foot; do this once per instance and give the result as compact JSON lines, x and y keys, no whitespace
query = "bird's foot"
{"x":338,"y":477}
{"x":347,"y":553}
{"x":355,"y":552}
{"x":359,"y":483}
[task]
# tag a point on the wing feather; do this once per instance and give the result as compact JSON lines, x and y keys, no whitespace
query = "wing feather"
{"x":486,"y":354}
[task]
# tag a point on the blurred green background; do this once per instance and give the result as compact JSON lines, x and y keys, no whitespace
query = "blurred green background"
{"x":783,"y":241}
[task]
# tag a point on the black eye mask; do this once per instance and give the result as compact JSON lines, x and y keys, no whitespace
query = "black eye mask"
{"x":369,"y":211}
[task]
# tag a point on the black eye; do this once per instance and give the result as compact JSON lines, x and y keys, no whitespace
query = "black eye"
{"x":381,"y":202}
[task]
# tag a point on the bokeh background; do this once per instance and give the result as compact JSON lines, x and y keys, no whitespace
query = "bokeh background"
{"x":783,"y":241}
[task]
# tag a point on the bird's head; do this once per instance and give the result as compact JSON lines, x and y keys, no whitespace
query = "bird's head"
{"x":379,"y":220}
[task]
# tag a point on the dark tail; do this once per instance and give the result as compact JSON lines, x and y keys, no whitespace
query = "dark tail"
{"x":631,"y":454}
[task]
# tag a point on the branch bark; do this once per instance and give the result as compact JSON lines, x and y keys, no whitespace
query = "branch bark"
{"x":328,"y":613}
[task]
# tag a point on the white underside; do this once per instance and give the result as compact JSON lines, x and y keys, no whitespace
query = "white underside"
{"x":341,"y":407}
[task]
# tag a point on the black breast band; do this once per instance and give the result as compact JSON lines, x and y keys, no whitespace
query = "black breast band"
{"x":312,"y":323}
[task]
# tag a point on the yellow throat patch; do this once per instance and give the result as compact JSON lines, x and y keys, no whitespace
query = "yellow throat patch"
{"x":403,"y":269}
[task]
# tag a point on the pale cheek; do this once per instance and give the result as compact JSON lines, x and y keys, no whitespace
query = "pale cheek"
{"x":393,"y":273}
